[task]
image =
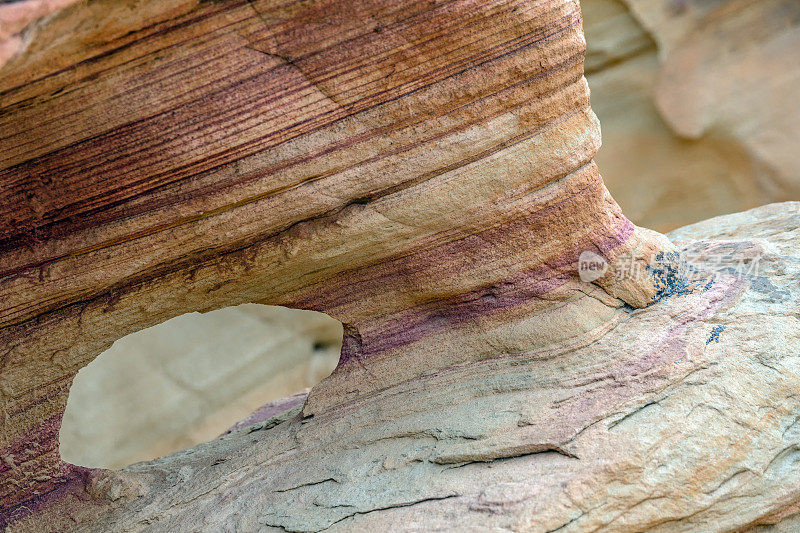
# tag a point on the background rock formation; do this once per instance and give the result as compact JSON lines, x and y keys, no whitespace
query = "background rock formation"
{"x":698,"y":101}
{"x":421,"y":172}
{"x":18,"y":24}
{"x":184,"y":381}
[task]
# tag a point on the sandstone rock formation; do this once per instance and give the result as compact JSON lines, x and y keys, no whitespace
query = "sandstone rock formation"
{"x":735,"y":68}
{"x":661,"y":180}
{"x":421,"y":172}
{"x":698,"y":104}
{"x":683,"y":417}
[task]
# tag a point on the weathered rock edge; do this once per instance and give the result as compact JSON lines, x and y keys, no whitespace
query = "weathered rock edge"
{"x":420,"y":171}
{"x":684,"y":417}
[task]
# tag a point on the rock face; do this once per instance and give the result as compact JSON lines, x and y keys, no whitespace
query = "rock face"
{"x":683,"y":417}
{"x":421,"y":172}
{"x":698,"y":104}
{"x":662,"y":181}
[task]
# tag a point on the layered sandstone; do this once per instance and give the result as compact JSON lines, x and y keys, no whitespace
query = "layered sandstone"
{"x":684,"y":417}
{"x":420,"y":171}
{"x":662,"y":180}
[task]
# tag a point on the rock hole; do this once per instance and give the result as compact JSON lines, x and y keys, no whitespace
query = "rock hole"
{"x":189,"y":379}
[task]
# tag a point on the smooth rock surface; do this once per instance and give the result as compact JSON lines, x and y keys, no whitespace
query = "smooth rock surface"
{"x":185,"y":381}
{"x":17,"y":19}
{"x":698,"y":104}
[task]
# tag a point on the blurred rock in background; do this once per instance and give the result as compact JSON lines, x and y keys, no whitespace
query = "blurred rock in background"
{"x":189,"y":379}
{"x":698,"y":104}
{"x":698,"y":100}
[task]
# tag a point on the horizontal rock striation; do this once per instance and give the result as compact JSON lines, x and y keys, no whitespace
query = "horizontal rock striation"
{"x":684,"y":417}
{"x":420,"y":171}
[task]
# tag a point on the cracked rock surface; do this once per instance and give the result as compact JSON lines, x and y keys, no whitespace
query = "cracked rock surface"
{"x":420,"y":171}
{"x":683,"y":417}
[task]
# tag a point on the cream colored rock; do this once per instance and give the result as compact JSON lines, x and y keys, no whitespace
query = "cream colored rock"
{"x":185,"y":381}
{"x":612,"y":34}
{"x":682,"y":418}
{"x":661,"y":180}
{"x":731,"y":71}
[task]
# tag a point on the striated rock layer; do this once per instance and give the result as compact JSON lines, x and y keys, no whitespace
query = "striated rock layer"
{"x":684,"y":417}
{"x":420,"y":171}
{"x":653,"y":174}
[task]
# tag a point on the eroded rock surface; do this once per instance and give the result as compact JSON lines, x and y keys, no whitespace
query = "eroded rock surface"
{"x":421,"y":171}
{"x":660,"y":179}
{"x":682,"y":417}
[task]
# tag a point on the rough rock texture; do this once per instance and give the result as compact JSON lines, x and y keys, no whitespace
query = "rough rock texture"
{"x":185,"y":381}
{"x":420,"y":171}
{"x":698,"y":101}
{"x":661,"y":180}
{"x":683,"y":417}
